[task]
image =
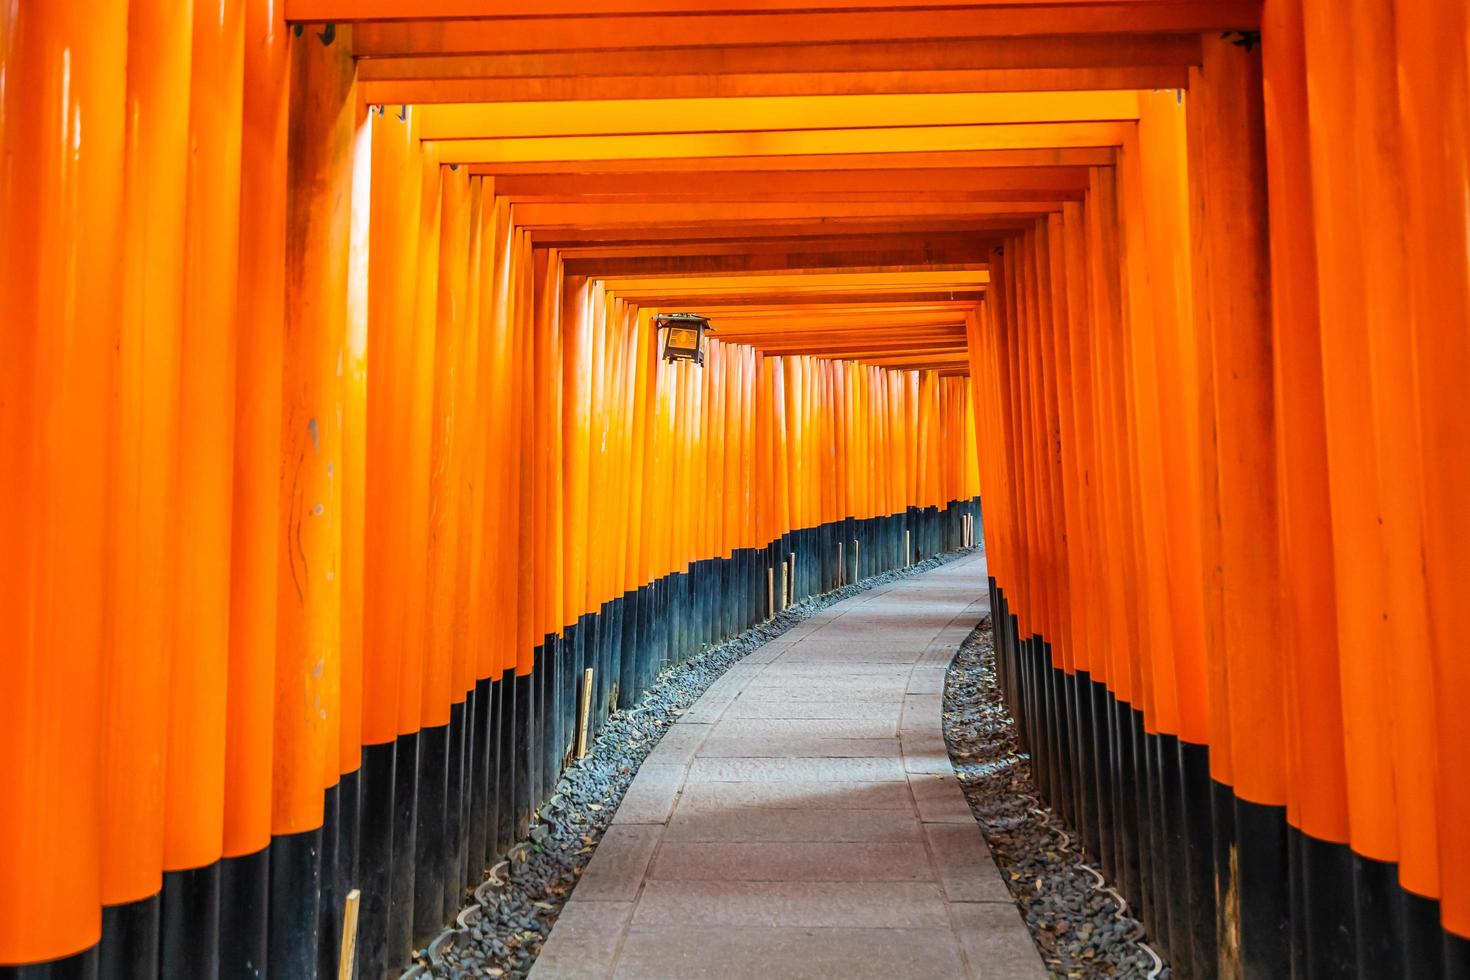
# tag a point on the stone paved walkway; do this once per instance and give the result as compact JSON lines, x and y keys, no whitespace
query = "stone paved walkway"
{"x":802,"y":819}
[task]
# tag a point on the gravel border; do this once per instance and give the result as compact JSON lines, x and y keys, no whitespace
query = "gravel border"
{"x":1081,"y":925}
{"x":502,"y":931}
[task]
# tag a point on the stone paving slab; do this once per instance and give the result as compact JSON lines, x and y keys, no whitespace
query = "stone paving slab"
{"x":807,"y":727}
{"x":802,"y":819}
{"x":857,"y":710}
{"x":679,"y":744}
{"x":584,"y":944}
{"x":966,"y":870}
{"x":852,"y":672}
{"x":707,"y":712}
{"x":798,"y":770}
{"x":790,"y":954}
{"x":765,"y":654}
{"x":889,"y":690}
{"x":996,"y":942}
{"x":782,"y":861}
{"x":650,"y":797}
{"x":940,"y":799}
{"x":839,"y":652}
{"x":787,"y":825}
{"x":877,"y":619}
{"x":620,"y":863}
{"x":828,"y":795}
{"x":922,"y":713}
{"x":792,"y":904}
{"x":796,"y":747}
{"x":927,"y":680}
{"x":937,"y":657}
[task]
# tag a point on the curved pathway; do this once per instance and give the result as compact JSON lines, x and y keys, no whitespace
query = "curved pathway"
{"x":802,"y":818}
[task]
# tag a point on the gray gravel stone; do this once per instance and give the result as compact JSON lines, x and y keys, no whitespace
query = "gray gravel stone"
{"x":1081,"y":930}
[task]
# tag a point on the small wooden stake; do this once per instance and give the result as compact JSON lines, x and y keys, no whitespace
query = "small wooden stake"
{"x":348,"y":960}
{"x":770,"y":593}
{"x":857,"y":559}
{"x":908,"y":552}
{"x":792,"y":579}
{"x":785,"y":597}
{"x":841,"y":566}
{"x":585,"y":713}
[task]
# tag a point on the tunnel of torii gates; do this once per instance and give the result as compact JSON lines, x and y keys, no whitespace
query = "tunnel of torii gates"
{"x":335,"y":443}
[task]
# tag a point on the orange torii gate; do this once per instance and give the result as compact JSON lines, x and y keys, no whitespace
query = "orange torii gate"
{"x":336,"y":443}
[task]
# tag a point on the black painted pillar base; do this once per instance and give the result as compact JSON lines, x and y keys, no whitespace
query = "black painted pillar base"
{"x":405,"y":842}
{"x":430,"y":846}
{"x":329,"y":911}
{"x":296,"y":885}
{"x":480,"y":752}
{"x":189,"y":945}
{"x":1194,"y":767}
{"x":82,"y":966}
{"x":1227,"y":893}
{"x":244,"y":915}
{"x":1174,"y":843}
{"x":505,"y":766}
{"x":455,"y":843}
{"x":375,"y":860}
{"x":1263,"y":883}
{"x":521,"y":747}
{"x":129,"y":947}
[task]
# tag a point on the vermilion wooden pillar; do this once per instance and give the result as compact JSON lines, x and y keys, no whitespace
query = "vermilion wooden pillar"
{"x":1434,"y":105}
{"x":255,"y":510}
{"x":142,"y":598}
{"x":309,"y":624}
{"x":61,"y":200}
{"x":1232,"y":310}
{"x":199,"y":648}
{"x":1317,"y":803}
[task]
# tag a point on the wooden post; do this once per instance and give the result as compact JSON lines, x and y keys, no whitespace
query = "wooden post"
{"x":348,"y":960}
{"x":857,"y":559}
{"x":770,"y":592}
{"x":841,"y":566}
{"x":585,"y":713}
{"x":908,"y":551}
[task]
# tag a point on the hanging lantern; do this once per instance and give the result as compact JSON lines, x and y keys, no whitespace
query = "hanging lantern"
{"x":684,"y":340}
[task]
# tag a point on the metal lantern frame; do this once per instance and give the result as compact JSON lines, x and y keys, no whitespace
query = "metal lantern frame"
{"x":679,"y":327}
